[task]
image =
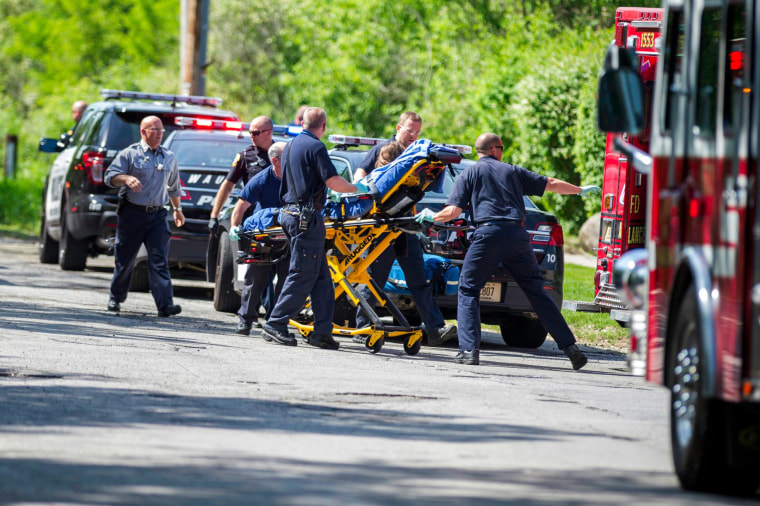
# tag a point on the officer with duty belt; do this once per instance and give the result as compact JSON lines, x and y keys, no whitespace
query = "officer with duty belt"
{"x":148,"y":177}
{"x":307,"y":170}
{"x":493,"y":190}
{"x":247,"y":163}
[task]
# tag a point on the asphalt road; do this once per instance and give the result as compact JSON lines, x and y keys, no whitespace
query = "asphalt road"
{"x":132,"y":409}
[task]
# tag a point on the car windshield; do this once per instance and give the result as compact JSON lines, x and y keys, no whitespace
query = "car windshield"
{"x":207,"y":153}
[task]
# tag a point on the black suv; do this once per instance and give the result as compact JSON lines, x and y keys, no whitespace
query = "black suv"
{"x":78,"y":209}
{"x":502,"y":301}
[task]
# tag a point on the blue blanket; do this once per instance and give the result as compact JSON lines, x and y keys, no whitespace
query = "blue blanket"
{"x":442,"y":275}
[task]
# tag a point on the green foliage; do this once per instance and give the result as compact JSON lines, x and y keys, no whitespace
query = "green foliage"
{"x":20,"y":203}
{"x":524,"y":69}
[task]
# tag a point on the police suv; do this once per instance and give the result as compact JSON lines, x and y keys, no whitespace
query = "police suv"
{"x":78,"y":209}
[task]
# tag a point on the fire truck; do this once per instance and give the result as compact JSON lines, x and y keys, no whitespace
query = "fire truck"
{"x":624,"y":189}
{"x":695,"y":286}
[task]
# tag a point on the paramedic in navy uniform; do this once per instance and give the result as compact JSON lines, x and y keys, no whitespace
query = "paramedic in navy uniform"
{"x":149,"y":172}
{"x":246,"y":164}
{"x":307,"y":169}
{"x":412,"y":263}
{"x":494,"y":191}
{"x":262,"y":191}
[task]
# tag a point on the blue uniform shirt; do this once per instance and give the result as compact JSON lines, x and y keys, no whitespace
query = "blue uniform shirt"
{"x":494,"y":190}
{"x":157,"y":171}
{"x":368,"y":162}
{"x":263,"y":190}
{"x":311,"y":167}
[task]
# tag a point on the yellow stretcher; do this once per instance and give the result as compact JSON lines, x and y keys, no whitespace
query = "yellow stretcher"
{"x":354,"y":243}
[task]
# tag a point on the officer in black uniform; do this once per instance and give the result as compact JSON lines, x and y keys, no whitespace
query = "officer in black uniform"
{"x":247,"y":164}
{"x":77,"y":109}
{"x":307,"y":169}
{"x":409,"y":252}
{"x":148,"y":177}
{"x":494,"y":191}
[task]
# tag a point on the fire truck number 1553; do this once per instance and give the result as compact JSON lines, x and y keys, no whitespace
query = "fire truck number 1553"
{"x":647,"y":40}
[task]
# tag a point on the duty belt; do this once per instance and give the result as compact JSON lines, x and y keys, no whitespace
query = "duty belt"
{"x":146,"y":209}
{"x":292,"y":210}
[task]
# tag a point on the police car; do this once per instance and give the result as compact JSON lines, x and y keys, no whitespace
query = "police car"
{"x":502,"y":302}
{"x":78,"y":209}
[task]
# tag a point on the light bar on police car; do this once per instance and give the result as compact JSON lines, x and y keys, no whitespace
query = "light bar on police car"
{"x":213,"y":124}
{"x":354,"y":141}
{"x":162,"y":97}
{"x":287,"y":130}
{"x":460,"y":148}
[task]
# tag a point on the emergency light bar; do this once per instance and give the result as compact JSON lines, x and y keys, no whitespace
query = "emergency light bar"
{"x":346,"y":140}
{"x":460,"y":148}
{"x":286,"y":130}
{"x":211,"y":124}
{"x":163,"y":97}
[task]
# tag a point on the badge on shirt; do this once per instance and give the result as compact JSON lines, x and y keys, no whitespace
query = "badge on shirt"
{"x":237,"y":159}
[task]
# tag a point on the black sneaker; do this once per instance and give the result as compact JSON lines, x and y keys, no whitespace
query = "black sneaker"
{"x":576,"y":356}
{"x":468,"y":357}
{"x":243,"y":328}
{"x":114,"y":306}
{"x":441,"y":335}
{"x":169,"y":310}
{"x":324,"y":341}
{"x":272,"y":334}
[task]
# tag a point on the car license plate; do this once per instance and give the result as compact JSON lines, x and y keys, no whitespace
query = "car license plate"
{"x":491,"y":292}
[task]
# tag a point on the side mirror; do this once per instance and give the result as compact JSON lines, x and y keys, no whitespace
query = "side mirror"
{"x":620,"y":106}
{"x":49,"y":145}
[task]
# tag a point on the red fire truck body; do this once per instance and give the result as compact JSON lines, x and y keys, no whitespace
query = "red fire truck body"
{"x":695,"y":288}
{"x":624,"y":189}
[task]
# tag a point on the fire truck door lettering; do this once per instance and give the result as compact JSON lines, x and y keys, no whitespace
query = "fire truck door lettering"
{"x":636,"y":235}
{"x":647,"y":40}
{"x":635,"y":203}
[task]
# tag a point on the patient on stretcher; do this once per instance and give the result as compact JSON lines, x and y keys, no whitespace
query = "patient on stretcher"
{"x":395,"y":187}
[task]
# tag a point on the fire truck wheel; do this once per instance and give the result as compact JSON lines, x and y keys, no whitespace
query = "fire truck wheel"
{"x":226,"y":300}
{"x":522,"y":332}
{"x":699,"y":427}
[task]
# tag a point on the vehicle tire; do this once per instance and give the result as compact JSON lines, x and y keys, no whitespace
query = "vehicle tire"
{"x":699,"y":426}
{"x":521,"y":332}
{"x":72,"y":255}
{"x":140,"y":282}
{"x":226,"y":300}
{"x":48,"y":245}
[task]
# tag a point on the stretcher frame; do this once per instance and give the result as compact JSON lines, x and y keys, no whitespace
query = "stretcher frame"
{"x":354,"y":244}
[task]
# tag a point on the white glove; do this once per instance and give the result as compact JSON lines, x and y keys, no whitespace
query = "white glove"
{"x":589,"y":189}
{"x":235,"y":233}
{"x":424,"y":216}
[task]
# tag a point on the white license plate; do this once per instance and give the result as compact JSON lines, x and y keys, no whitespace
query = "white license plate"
{"x":491,"y":292}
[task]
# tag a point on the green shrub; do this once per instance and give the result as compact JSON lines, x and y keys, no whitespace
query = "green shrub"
{"x":21,"y":204}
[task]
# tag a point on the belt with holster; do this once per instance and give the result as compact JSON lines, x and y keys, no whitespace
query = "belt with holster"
{"x":145,"y":209}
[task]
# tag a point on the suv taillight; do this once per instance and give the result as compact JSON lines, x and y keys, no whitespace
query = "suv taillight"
{"x":555,"y":237}
{"x":93,"y":163}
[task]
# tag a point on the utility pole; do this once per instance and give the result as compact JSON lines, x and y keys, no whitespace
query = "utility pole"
{"x":193,"y":40}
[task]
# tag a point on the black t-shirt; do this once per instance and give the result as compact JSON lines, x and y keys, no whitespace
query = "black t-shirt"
{"x":369,"y":160}
{"x":306,"y":162}
{"x":495,"y":190}
{"x":248,"y":163}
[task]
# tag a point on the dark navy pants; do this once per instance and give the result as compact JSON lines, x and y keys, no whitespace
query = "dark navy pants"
{"x":258,"y":279}
{"x":508,"y":243}
{"x":308,"y":276}
{"x":413,"y":266}
{"x":136,"y":227}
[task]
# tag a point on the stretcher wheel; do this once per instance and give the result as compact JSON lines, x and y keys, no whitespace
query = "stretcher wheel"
{"x":413,"y":349}
{"x":375,"y":347}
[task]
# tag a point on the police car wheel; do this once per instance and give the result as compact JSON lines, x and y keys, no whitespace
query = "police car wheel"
{"x":48,"y":245}
{"x":72,"y":255}
{"x":521,"y":332}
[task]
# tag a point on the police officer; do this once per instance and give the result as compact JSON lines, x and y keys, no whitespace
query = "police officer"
{"x":148,"y":176}
{"x":77,"y":109}
{"x":263,"y":191}
{"x":494,"y":192}
{"x":307,"y":169}
{"x":409,"y":249}
{"x":247,"y":164}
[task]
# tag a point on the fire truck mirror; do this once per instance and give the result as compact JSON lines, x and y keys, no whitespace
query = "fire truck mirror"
{"x":620,"y":107}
